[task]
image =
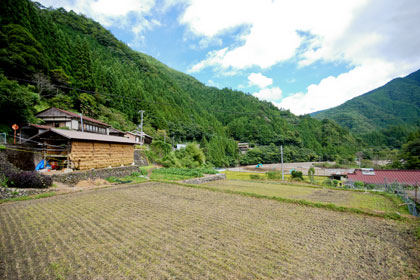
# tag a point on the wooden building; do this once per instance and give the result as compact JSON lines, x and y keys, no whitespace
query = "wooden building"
{"x":136,"y":136}
{"x":59,"y":118}
{"x":83,"y":150}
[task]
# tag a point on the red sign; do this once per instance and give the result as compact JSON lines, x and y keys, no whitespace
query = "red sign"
{"x":15,"y":127}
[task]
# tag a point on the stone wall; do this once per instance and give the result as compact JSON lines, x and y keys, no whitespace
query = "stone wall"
{"x":201,"y":180}
{"x":73,"y":178}
{"x":140,"y":158}
{"x":88,"y":155}
{"x":21,"y":156}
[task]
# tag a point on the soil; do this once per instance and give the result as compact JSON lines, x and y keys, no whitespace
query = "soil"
{"x":161,"y":231}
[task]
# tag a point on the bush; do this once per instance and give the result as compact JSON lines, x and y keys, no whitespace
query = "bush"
{"x":311,"y":174}
{"x":358,"y":184}
{"x":14,"y":177}
{"x":273,"y":175}
{"x":255,"y":176}
{"x":297,"y":175}
{"x":29,"y":179}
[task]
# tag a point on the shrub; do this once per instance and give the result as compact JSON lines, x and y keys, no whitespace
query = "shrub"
{"x":370,"y":186}
{"x":29,"y":179}
{"x":297,"y":175}
{"x":311,"y":173}
{"x":3,"y":181}
{"x":358,"y":184}
{"x":21,"y":179}
{"x":255,"y":176}
{"x":273,"y":175}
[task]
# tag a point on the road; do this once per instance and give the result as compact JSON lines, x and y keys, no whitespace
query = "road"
{"x":288,"y":167}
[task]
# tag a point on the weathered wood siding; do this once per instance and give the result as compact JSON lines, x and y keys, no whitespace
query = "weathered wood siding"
{"x":88,"y":155}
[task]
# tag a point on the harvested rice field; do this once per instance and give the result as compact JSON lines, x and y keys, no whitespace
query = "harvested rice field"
{"x":164,"y":231}
{"x":366,"y":201}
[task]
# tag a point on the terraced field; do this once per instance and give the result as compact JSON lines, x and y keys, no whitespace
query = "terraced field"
{"x":366,"y":201}
{"x":161,"y":231}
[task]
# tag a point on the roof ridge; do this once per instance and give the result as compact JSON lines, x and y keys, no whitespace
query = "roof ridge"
{"x":77,"y":115}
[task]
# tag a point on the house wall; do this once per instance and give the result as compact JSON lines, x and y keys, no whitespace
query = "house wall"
{"x":87,"y":155}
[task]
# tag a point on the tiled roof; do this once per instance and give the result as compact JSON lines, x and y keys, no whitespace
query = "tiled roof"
{"x":77,"y":135}
{"x":40,"y":126}
{"x":410,"y":177}
{"x":78,"y":116}
{"x":139,"y":134}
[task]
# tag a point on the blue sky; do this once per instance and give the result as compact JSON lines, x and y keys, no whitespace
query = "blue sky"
{"x":302,"y":55}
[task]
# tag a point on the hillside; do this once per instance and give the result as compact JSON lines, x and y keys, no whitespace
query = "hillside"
{"x":383,"y":114}
{"x":57,"y":58}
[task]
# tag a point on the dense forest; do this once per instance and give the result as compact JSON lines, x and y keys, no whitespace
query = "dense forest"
{"x":382,"y":117}
{"x":53,"y":57}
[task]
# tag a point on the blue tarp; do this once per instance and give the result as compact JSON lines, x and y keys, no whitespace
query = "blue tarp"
{"x":42,"y":164}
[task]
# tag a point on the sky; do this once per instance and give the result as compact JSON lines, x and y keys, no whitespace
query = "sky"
{"x":301,"y":55}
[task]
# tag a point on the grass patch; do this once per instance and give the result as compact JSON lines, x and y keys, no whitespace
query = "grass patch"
{"x":135,"y":177}
{"x":366,"y":201}
{"x":29,"y":197}
{"x":330,"y":206}
{"x":269,"y":176}
{"x":175,"y":174}
{"x":144,"y":170}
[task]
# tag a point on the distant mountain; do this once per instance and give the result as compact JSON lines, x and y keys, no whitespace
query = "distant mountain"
{"x":394,"y":106}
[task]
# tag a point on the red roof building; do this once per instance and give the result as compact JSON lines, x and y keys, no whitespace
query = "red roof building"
{"x":370,"y":176}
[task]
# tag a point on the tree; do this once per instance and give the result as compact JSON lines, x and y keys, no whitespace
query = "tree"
{"x":410,"y":152}
{"x":16,"y":102}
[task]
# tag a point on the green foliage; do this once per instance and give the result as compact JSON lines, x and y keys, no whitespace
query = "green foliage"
{"x":410,"y":152}
{"x":175,"y":173}
{"x":255,"y":177}
{"x":191,"y":156}
{"x":273,"y":175}
{"x":3,"y":181}
{"x":297,"y":175}
{"x":384,"y":116}
{"x":311,"y":174}
{"x":358,"y":184}
{"x":16,"y":102}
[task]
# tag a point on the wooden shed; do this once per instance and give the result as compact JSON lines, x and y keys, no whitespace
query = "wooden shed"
{"x":82,"y":150}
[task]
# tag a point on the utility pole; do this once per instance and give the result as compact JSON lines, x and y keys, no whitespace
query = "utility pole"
{"x":281,"y":152}
{"x":81,"y":122}
{"x":141,"y":127}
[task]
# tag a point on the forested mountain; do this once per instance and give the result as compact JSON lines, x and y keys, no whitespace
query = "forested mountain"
{"x":383,"y":116}
{"x":52,"y":57}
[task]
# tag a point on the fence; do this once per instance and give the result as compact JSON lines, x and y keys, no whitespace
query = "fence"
{"x":3,"y":138}
{"x":401,"y":190}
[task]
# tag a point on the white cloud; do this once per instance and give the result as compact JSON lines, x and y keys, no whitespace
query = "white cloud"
{"x":333,"y":91}
{"x":110,"y":12}
{"x":269,"y":94}
{"x":273,"y":34}
{"x":258,"y":79}
{"x":377,"y":39}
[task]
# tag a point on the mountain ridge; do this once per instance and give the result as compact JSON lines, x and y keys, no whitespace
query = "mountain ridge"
{"x":395,"y":104}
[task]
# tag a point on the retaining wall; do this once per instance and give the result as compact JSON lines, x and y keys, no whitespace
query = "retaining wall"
{"x":201,"y":180}
{"x":77,"y":176}
{"x":140,"y":158}
{"x":21,"y":156}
